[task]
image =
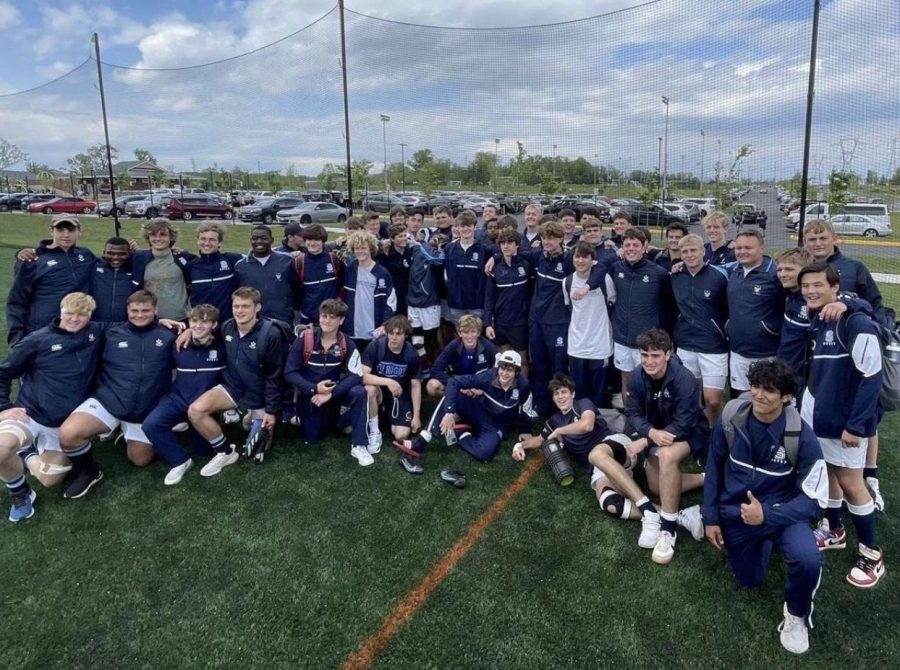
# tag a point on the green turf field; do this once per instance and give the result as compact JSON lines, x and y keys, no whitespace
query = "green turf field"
{"x":298,"y":562}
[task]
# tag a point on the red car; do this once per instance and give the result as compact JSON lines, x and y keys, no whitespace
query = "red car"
{"x":64,"y":206}
{"x":197,"y":205}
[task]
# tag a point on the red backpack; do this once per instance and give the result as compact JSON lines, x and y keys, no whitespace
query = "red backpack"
{"x":309,"y":339}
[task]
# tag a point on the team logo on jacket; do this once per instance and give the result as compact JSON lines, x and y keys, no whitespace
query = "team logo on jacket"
{"x":277,"y":276}
{"x":182,"y":260}
{"x":213,"y":355}
{"x":559,"y":267}
{"x":50,"y":264}
{"x":159,"y":343}
{"x":91,"y":337}
{"x":56,"y":347}
{"x":757,"y":288}
{"x":829,"y":337}
{"x":666,"y":394}
{"x":481,"y":358}
{"x":804,"y":312}
{"x":621,"y":275}
{"x":521,"y":272}
{"x":253,"y":345}
{"x":81,"y":257}
{"x":101,"y":270}
{"x":123,"y":345}
{"x":559,"y":342}
{"x":515,"y":394}
{"x":646,"y":279}
{"x":474,"y":257}
{"x":223,"y":265}
{"x":780,"y":456}
{"x":707,"y":293}
{"x":228,"y":338}
{"x":381,"y":283}
{"x":329,"y":268}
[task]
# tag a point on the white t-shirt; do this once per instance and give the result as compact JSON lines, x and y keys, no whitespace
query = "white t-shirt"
{"x":590,"y":332}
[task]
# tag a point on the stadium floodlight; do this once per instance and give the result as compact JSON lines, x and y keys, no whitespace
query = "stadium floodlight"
{"x":384,"y":121}
{"x":665,"y":170}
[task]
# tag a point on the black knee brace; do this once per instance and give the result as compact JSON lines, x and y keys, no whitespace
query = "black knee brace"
{"x":614,"y":504}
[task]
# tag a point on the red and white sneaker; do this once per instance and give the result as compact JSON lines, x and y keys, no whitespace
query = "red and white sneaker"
{"x":869,"y":567}
{"x":830,"y":539}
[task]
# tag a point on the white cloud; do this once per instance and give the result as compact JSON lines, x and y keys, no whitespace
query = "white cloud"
{"x":55,"y":69}
{"x":10,"y":17}
{"x":756,"y":66}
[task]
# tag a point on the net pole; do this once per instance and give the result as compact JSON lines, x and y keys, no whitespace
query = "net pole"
{"x":112,"y":183}
{"x":346,"y":108}
{"x":810,"y":95}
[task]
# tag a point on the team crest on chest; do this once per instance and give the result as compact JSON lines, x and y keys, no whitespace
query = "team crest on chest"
{"x":757,"y":288}
{"x":213,"y":355}
{"x":804,"y":312}
{"x":559,"y":267}
{"x":91,"y":337}
{"x":101,"y":270}
{"x":159,"y":343}
{"x":253,"y":345}
{"x":707,"y":293}
{"x":621,"y":275}
{"x":646,"y":279}
{"x":81,"y":257}
{"x":381,"y":283}
{"x":329,"y":268}
{"x":521,"y":272}
{"x":780,"y":456}
{"x":474,"y":257}
{"x":228,"y":338}
{"x":50,"y":264}
{"x":829,"y":337}
{"x":277,"y":276}
{"x":123,"y":345}
{"x":223,"y":265}
{"x":515,"y":394}
{"x":56,"y":347}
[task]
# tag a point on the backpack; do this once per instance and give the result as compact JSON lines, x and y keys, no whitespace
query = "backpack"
{"x":736,"y":413}
{"x":309,"y":339}
{"x":285,"y":331}
{"x":889,"y":341}
{"x":300,"y":264}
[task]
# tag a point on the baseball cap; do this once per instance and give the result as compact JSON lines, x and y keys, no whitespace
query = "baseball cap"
{"x":508,"y":358}
{"x":64,"y":221}
{"x":292,"y":228}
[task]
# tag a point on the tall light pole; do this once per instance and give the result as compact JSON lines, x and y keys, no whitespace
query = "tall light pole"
{"x":403,"y":146}
{"x":718,"y":161}
{"x":659,"y":167}
{"x":702,"y":159}
{"x":384,"y":121}
{"x":665,"y":151}
{"x":496,"y":161}
{"x":554,"y":162}
{"x":596,"y":169}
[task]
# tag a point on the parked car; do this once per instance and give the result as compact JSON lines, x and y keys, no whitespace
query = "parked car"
{"x":149,"y":207}
{"x":745,"y":212}
{"x":32,"y":198}
{"x":822,"y":210}
{"x":860,"y":224}
{"x":418,"y":203}
{"x":267,"y":209}
{"x":705,"y":205}
{"x":105,"y":208}
{"x":63,"y":206}
{"x":12,"y":201}
{"x":195,"y":207}
{"x":313,"y":212}
{"x":651,"y":215}
{"x":382,"y":202}
{"x":444,"y":201}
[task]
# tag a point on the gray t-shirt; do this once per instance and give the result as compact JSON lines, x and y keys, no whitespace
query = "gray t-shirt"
{"x":364,"y":304}
{"x":164,"y":279}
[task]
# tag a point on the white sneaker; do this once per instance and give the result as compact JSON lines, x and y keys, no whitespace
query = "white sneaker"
{"x":664,"y":549}
{"x":650,"y":524}
{"x":231,"y":416}
{"x":374,"y":445}
{"x":362,"y":455}
{"x":794,"y":633}
{"x":177,"y":473}
{"x":877,"y":498}
{"x":180,"y":427}
{"x":690,"y":520}
{"x":218,"y":462}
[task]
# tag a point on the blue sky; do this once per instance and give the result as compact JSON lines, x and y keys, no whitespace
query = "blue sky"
{"x":736,"y":70}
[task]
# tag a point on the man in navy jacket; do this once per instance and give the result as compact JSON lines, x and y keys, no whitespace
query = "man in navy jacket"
{"x":61,"y":268}
{"x":755,"y":308}
{"x":135,"y":372}
{"x":507,"y":297}
{"x":468,"y":354}
{"x":663,"y":415}
{"x":840,"y":403}
{"x":199,"y":368}
{"x":701,"y":297}
{"x":272,"y":275}
{"x":464,"y":261}
{"x":55,"y":365}
{"x":757,"y":494}
{"x":111,"y":281}
{"x":318,"y":272}
{"x":325,"y":369}
{"x":212,"y":274}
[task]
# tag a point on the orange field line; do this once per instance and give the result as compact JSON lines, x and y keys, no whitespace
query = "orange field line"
{"x":363,"y":657}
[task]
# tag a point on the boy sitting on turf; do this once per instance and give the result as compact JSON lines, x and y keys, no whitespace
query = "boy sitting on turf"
{"x":662,"y":410}
{"x":498,"y":403}
{"x":391,"y":375}
{"x":325,"y":369}
{"x":467,"y":354}
{"x":583,"y":433}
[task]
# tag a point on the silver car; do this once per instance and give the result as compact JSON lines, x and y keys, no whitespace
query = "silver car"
{"x":313,"y":212}
{"x":858,"y":224}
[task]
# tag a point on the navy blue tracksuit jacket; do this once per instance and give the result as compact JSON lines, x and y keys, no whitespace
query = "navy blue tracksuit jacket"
{"x":856,"y":278}
{"x":464,"y":271}
{"x":702,"y":303}
{"x":675,"y":408}
{"x":110,"y":289}
{"x":643,"y":299}
{"x":135,"y":369}
{"x":455,"y":359}
{"x":424,"y":277}
{"x":755,"y":310}
{"x":39,"y":286}
{"x":56,"y":369}
{"x":255,"y":362}
{"x":276,"y":280}
{"x":721,"y":256}
{"x":319,"y":276}
{"x":213,"y":280}
{"x":398,"y":265}
{"x":508,"y":293}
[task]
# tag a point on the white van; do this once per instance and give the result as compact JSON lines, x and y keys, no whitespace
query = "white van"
{"x":822,"y":210}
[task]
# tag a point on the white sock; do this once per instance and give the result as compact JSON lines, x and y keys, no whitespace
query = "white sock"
{"x":373,"y":426}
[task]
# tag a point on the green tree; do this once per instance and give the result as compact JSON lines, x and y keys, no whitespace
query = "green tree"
{"x":36,"y":168}
{"x":94,"y":158}
{"x":359,"y":171}
{"x":123,"y":181}
{"x":331,"y":177}
{"x":10,"y":154}
{"x":549,"y":185}
{"x":144,"y":155}
{"x":422,"y":159}
{"x":839,"y":183}
{"x":481,"y":169}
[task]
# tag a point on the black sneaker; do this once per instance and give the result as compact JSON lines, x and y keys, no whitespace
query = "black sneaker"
{"x":82,"y":482}
{"x":455,"y":478}
{"x":411,"y":466}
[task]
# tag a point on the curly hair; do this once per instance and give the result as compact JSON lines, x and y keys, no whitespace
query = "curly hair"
{"x":773,"y":374}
